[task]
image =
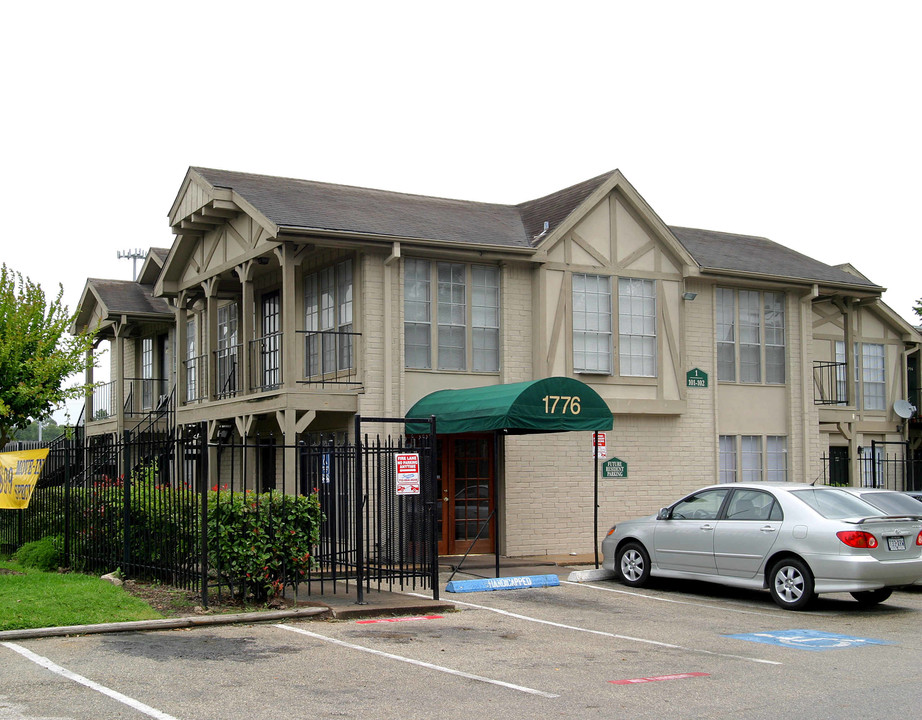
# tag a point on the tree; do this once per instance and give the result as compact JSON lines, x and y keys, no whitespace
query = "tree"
{"x":918,"y":308}
{"x":50,"y":430}
{"x":37,"y":354}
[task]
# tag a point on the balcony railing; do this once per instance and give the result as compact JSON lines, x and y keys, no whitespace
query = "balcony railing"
{"x":329,"y":357}
{"x":196,"y":379}
{"x":227,"y":372}
{"x":141,"y":396}
{"x":266,"y":362}
{"x":829,"y":383}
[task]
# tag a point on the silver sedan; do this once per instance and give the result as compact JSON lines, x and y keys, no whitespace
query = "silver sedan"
{"x":796,"y":540}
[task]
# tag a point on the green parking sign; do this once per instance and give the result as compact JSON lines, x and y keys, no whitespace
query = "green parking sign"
{"x":614,"y":468}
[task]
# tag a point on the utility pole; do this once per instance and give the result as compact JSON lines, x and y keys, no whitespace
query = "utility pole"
{"x":134,"y":256}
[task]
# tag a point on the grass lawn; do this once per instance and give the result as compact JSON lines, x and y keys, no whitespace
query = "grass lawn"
{"x":34,"y":599}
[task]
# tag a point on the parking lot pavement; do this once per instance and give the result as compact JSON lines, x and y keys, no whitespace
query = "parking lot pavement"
{"x":578,"y":650}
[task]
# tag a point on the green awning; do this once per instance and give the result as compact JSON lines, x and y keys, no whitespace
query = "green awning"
{"x":556,"y":404}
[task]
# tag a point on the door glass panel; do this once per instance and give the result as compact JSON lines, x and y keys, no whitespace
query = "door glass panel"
{"x":471,"y":487}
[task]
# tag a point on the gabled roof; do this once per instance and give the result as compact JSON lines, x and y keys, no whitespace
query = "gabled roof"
{"x":309,"y":205}
{"x":295,"y":205}
{"x":120,"y":297}
{"x":747,"y":254}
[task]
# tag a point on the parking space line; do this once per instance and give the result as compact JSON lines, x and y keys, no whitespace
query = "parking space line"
{"x":418,"y":663}
{"x":722,"y":608}
{"x":64,"y":672}
{"x":608,"y":634}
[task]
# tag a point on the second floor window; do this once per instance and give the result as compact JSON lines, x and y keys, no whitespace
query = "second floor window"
{"x":870,"y":375}
{"x":328,"y":319}
{"x":637,"y":327}
{"x":463,"y":316}
{"x":750,"y":336}
{"x":593,"y":330}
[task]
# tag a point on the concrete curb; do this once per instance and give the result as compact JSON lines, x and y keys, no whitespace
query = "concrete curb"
{"x":590,"y":575}
{"x":164,"y":624}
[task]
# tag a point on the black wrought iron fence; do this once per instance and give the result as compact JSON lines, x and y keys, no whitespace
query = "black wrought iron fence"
{"x":235,"y":516}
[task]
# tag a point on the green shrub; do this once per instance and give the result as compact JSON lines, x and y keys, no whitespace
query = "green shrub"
{"x":44,"y":554}
{"x":260,"y":542}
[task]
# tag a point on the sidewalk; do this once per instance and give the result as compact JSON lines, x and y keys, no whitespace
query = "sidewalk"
{"x":343,"y":605}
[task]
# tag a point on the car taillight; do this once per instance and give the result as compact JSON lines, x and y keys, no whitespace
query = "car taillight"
{"x":614,"y":526}
{"x":859,"y":538}
{"x":919,"y":538}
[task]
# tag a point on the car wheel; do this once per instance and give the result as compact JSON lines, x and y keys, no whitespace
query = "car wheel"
{"x":871,"y":597}
{"x":633,"y":565}
{"x":791,"y":584}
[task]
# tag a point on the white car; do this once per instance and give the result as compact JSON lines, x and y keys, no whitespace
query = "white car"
{"x":796,"y":540}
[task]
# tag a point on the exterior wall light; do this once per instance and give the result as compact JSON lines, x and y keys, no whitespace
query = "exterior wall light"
{"x":689,"y":296}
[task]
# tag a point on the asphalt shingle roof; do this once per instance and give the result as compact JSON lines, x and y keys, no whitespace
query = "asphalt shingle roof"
{"x":750,"y":254}
{"x":128,"y":297}
{"x":307,"y":204}
{"x":342,"y":208}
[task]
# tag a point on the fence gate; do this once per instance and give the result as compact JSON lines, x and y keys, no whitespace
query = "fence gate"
{"x":395,"y":508}
{"x":888,"y":466}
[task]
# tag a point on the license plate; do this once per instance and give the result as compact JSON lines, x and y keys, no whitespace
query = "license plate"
{"x":896,"y":543}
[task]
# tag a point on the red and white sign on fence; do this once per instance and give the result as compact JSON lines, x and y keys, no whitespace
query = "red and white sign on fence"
{"x":407,"y":473}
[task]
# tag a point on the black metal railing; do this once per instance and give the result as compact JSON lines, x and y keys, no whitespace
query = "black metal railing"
{"x":829,"y":383}
{"x":330,"y":357}
{"x":266,"y":362}
{"x":227,"y":372}
{"x":196,"y":369}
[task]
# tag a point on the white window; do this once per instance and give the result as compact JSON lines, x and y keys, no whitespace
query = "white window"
{"x":776,"y":458}
{"x":592,"y":324}
{"x":872,"y":376}
{"x":751,"y":458}
{"x":726,"y":335}
{"x":226,"y":355}
{"x":328,"y":319}
{"x":452,"y":316}
{"x":485,"y":318}
{"x":637,"y":327}
{"x":727,"y":458}
{"x":467,"y":316}
{"x":759,"y":457}
{"x":869,"y":374}
{"x":147,"y":373}
{"x":191,"y":362}
{"x":417,"y":311}
{"x":750,"y":336}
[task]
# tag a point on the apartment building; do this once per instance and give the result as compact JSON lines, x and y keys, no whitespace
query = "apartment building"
{"x":285,"y":307}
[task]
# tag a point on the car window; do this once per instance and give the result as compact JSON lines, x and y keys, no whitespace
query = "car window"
{"x":753,"y":505}
{"x":704,"y":505}
{"x":835,"y":504}
{"x":893,"y":503}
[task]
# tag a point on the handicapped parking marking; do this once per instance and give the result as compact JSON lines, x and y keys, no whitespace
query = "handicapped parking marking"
{"x":815,"y":640}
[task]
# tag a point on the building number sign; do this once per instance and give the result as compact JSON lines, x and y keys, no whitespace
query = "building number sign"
{"x":564,"y":404}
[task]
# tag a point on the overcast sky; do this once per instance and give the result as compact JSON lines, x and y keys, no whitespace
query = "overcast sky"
{"x":798,"y":121}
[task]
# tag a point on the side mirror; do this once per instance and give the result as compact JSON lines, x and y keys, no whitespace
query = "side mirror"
{"x":663,"y":514}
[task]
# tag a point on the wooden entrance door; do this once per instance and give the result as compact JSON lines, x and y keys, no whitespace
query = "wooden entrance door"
{"x":467,"y":479}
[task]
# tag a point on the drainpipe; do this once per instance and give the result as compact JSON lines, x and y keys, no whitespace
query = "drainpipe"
{"x":391,"y":259}
{"x":807,"y":372}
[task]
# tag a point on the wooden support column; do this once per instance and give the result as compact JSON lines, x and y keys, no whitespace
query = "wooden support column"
{"x":291,"y":341}
{"x":246,"y":318}
{"x":120,"y":329}
{"x":181,"y":313}
{"x":211,"y":333}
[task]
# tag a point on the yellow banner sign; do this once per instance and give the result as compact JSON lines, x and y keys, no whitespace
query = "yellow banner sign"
{"x":19,"y":472}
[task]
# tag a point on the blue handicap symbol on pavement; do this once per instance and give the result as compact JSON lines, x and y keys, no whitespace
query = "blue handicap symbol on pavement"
{"x":808,"y":639}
